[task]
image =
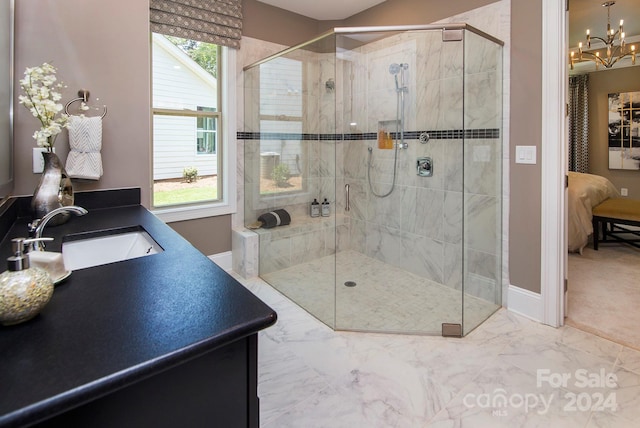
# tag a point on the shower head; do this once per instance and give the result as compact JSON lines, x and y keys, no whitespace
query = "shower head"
{"x":395,"y":67}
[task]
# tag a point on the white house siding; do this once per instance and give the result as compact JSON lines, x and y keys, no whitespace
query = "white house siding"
{"x":174,"y":137}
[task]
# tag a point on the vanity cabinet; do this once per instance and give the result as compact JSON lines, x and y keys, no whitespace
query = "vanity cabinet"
{"x":165,"y":340}
{"x":217,"y":389}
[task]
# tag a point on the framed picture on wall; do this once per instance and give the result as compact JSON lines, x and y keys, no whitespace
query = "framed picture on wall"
{"x":624,"y":130}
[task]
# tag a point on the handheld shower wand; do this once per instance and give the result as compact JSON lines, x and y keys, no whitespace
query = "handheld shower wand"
{"x":396,"y":69}
{"x":401,"y":89}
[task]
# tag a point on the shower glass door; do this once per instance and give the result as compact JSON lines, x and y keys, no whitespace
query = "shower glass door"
{"x":400,"y":254}
{"x":289,"y":154}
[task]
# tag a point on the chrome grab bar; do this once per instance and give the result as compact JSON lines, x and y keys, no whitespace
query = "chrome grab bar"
{"x":347,"y":206}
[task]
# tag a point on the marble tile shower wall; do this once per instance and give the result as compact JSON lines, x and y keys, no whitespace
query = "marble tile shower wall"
{"x":495,"y":19}
{"x":419,"y":227}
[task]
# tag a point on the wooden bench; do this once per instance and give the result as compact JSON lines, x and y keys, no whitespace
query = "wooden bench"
{"x":608,"y":218}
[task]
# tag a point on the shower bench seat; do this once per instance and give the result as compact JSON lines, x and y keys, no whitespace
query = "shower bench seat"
{"x":302,"y":225}
{"x":281,"y":247}
{"x":609,"y":218}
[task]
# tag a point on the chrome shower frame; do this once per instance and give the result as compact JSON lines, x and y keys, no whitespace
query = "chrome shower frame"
{"x":385,"y":28}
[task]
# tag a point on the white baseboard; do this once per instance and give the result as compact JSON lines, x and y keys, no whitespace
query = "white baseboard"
{"x":524,"y":302}
{"x":223,"y":260}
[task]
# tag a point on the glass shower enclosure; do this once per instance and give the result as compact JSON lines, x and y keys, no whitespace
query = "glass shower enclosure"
{"x":383,"y":145}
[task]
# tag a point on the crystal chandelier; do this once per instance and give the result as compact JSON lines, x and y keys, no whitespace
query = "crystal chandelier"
{"x":614,"y":52}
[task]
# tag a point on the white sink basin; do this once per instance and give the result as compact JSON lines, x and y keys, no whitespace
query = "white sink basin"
{"x":108,"y":247}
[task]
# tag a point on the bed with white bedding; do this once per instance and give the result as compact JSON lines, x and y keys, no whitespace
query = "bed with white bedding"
{"x":585,"y":192}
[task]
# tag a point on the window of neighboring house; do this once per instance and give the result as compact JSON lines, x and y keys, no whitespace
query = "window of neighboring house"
{"x":206,"y":138}
{"x":188,"y":163}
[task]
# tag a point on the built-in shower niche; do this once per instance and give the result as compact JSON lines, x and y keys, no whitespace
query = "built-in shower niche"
{"x":411,"y":252}
{"x":387,"y":132}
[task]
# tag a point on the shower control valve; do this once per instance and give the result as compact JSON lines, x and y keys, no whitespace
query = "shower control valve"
{"x":424,"y":167}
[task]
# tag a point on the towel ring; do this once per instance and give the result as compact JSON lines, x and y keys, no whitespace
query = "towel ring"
{"x":83,"y":95}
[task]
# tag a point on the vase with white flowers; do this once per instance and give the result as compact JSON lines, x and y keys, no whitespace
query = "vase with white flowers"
{"x":41,"y":97}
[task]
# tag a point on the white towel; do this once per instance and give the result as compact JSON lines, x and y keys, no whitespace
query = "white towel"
{"x":85,"y":141}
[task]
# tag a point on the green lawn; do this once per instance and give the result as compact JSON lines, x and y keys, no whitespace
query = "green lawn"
{"x":184,"y":196}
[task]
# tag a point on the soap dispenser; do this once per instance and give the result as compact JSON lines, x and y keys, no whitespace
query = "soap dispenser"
{"x":326,"y":208}
{"x":24,"y":290}
{"x":315,"y":208}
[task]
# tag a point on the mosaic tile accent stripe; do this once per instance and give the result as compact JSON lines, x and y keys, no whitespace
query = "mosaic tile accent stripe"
{"x":451,"y":134}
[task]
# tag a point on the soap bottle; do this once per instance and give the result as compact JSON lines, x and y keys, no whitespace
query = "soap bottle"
{"x":326,"y":211}
{"x":315,"y":208}
{"x":24,"y":290}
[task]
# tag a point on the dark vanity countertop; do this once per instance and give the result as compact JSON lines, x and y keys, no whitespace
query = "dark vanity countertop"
{"x":109,"y":326}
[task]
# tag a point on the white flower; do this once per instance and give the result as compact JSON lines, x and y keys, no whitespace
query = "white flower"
{"x":41,"y":98}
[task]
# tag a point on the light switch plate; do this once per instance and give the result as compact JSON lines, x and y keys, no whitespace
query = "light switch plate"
{"x":526,"y":154}
{"x":38,"y":161}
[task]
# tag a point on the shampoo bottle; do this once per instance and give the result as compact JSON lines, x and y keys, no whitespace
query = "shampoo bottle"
{"x":326,"y":211}
{"x":315,"y":208}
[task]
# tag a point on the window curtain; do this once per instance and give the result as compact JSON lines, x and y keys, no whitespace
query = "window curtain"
{"x":579,"y":123}
{"x":211,"y":21}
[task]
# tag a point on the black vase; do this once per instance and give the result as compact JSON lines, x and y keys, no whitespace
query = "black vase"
{"x":53,"y":191}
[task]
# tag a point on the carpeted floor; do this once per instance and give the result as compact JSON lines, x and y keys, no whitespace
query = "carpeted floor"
{"x":604,"y":293}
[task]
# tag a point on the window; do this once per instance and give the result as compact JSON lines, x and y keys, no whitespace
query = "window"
{"x":206,"y":139}
{"x":188,"y":166}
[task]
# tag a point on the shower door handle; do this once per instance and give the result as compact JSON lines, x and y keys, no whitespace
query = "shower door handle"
{"x":347,"y":205}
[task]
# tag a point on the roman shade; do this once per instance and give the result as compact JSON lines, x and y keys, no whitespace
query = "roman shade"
{"x":211,"y":21}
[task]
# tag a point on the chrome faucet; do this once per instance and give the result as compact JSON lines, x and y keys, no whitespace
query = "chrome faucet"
{"x":37,"y":226}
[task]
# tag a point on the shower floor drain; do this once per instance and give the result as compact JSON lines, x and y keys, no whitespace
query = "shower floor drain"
{"x":350,"y":283}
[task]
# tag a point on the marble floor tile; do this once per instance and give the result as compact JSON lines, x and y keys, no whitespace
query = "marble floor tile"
{"x":627,"y":394}
{"x":506,"y":396}
{"x":610,"y":420}
{"x":629,"y":359}
{"x":595,"y":345}
{"x":284,"y":381}
{"x":312,"y":376}
{"x":553,"y":358}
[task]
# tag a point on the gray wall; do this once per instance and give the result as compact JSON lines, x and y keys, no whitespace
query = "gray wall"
{"x":601,"y":84}
{"x":276,"y":25}
{"x":211,"y":235}
{"x":407,"y":12}
{"x":95,"y":46}
{"x":526,"y":130}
